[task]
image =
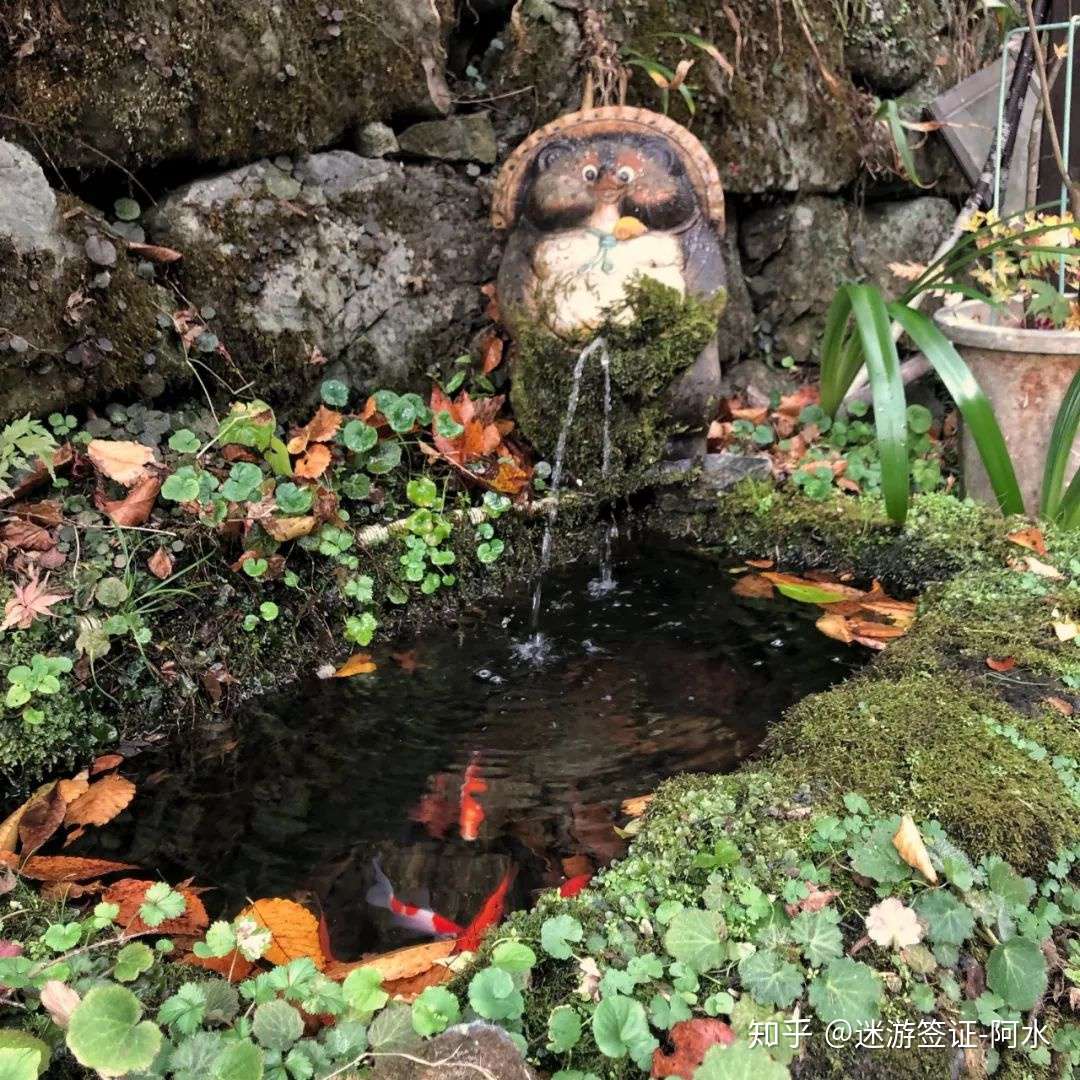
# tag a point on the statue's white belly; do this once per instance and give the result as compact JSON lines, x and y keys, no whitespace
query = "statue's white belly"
{"x":580,"y":277}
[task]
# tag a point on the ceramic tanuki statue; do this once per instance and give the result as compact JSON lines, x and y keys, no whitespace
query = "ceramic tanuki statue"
{"x":597,"y":198}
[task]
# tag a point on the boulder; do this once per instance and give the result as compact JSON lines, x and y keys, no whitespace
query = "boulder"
{"x":797,"y":255}
{"x":371,"y":264}
{"x":464,"y":1052}
{"x":890,"y":46}
{"x":139,"y":82}
{"x":458,"y":138}
{"x":79,"y":318}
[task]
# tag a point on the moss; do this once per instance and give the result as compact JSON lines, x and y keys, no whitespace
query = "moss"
{"x":647,"y":355}
{"x":921,"y":743}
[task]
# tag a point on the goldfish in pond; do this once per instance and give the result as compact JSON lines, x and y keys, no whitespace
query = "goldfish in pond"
{"x":421,"y":920}
{"x":471,"y":813}
{"x":490,"y":913}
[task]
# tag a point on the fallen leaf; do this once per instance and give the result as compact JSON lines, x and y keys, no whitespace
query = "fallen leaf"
{"x":136,"y":507}
{"x":408,"y":990}
{"x":160,"y":564}
{"x":294,"y":930}
{"x":1006,"y":664}
{"x":760,"y":564}
{"x":154,"y":252}
{"x":27,"y":536}
{"x":1066,"y":631}
{"x":71,"y":789}
{"x":910,"y":847}
{"x":899,"y":611}
{"x":31,"y":600}
{"x":124,"y":462}
{"x":407,"y":661}
{"x":1060,"y":705}
{"x":9,"y":827}
{"x":863,"y":628}
{"x":753,"y":587}
{"x":691,"y":1040}
{"x":105,"y":763}
{"x":129,"y":893}
{"x":812,"y":592}
{"x":322,"y":427}
{"x":404,"y":963}
{"x":358,"y":664}
{"x":314,"y":463}
{"x":41,"y":819}
{"x":907,"y":271}
{"x":55,"y":868}
{"x":636,"y":806}
{"x":814,"y":900}
{"x":59,"y":1000}
{"x":835,"y":627}
{"x":288,"y":528}
{"x":1031,"y":538}
{"x":492,"y":353}
{"x":46,"y":512}
{"x":892,"y":924}
{"x":869,"y":642}
{"x":480,"y":436}
{"x":233,"y":966}
{"x":1042,"y":569}
{"x":101,"y":802}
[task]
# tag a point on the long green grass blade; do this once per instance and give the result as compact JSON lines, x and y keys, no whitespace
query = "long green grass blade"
{"x":969,"y":398}
{"x":887,"y":387}
{"x":1068,"y":514}
{"x":890,"y":113}
{"x":1057,"y":454}
{"x":841,"y":352}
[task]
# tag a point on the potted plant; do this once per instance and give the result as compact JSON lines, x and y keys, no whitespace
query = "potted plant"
{"x":1015,"y":261}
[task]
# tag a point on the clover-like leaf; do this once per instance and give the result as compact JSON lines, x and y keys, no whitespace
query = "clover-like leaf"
{"x":132,"y":960}
{"x":696,"y":938}
{"x":434,"y":1011}
{"x":818,"y":935}
{"x":363,"y":991}
{"x":493,"y":995}
{"x":184,"y":441}
{"x":620,"y":1028}
{"x":557,"y":933}
{"x":161,"y":902}
{"x":105,"y":1032}
{"x":184,"y":1011}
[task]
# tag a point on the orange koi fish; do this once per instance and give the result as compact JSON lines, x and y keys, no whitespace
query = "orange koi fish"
{"x":572,"y":886}
{"x":422,"y":920}
{"x":435,"y":810}
{"x":490,"y":913}
{"x":471,"y":813}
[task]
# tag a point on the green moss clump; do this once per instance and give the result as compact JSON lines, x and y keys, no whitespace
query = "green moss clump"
{"x":647,"y":355}
{"x":922,"y":743}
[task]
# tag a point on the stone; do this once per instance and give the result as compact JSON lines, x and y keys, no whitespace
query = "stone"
{"x":69,"y":332}
{"x":376,"y":264}
{"x":376,"y":140}
{"x":891,"y":44}
{"x":464,"y":1052}
{"x":908,"y":230}
{"x":142,"y":82}
{"x":458,"y":138}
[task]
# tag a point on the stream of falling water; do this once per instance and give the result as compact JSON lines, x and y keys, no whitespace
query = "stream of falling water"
{"x":536,"y":648}
{"x":605,"y":582}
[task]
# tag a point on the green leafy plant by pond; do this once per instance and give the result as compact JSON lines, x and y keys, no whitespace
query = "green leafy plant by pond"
{"x":592,"y":986}
{"x":860,"y":331}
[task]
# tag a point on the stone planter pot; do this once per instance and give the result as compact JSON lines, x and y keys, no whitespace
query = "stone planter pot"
{"x":1025,"y":374}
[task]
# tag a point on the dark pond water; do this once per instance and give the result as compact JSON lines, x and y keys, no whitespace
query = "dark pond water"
{"x":664,"y":673}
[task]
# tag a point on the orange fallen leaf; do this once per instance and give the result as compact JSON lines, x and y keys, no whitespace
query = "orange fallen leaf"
{"x":129,"y":893}
{"x":40,"y":820}
{"x":835,"y":627}
{"x":160,"y":564}
{"x":407,"y":660}
{"x":105,"y":763}
{"x":294,"y":931}
{"x":135,"y":508}
{"x":288,"y":528}
{"x":1005,"y":664}
{"x":399,"y":964}
{"x":691,"y":1040}
{"x":869,"y":642}
{"x":322,"y":427}
{"x":9,"y":827}
{"x":876,"y":630}
{"x":234,"y":966}
{"x":66,"y":867}
{"x":814,"y":900}
{"x":122,"y":461}
{"x":899,"y":611}
{"x":637,"y":805}
{"x":1031,"y":538}
{"x":834,"y":587}
{"x":315,"y":462}
{"x":358,"y":664}
{"x":760,"y":564}
{"x":63,"y":891}
{"x":101,"y":802}
{"x":71,"y":789}
{"x":753,"y":587}
{"x":154,"y":252}
{"x":408,"y":990}
{"x":492,"y":353}
{"x":480,"y":435}
{"x":1060,"y":705}
{"x":910,"y":847}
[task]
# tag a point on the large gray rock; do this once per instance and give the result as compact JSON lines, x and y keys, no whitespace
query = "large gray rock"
{"x":796,"y":256}
{"x":141,"y":82}
{"x":891,"y":45}
{"x":70,"y":330}
{"x":375,"y":264}
{"x":464,"y":1052}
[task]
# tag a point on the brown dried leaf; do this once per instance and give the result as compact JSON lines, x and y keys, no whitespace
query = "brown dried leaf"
{"x":160,"y":564}
{"x":57,"y":868}
{"x":1031,"y":538}
{"x":59,"y":1000}
{"x":122,"y":461}
{"x":27,"y":536}
{"x":105,"y":763}
{"x":288,"y":528}
{"x":753,"y":587}
{"x":101,"y":802}
{"x":9,"y":827}
{"x":71,"y":789}
{"x":315,"y":462}
{"x":154,"y":252}
{"x":404,"y":963}
{"x":1005,"y":664}
{"x":691,"y":1041}
{"x":135,"y":508}
{"x":835,"y":627}
{"x":129,"y":894}
{"x":637,"y":805}
{"x":910,"y":847}
{"x":1060,"y":705}
{"x":41,"y":819}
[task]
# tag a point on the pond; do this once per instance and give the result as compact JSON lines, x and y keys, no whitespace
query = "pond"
{"x":460,"y":757}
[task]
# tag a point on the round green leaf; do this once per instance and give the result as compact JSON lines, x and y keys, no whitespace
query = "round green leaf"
{"x":620,"y":1027}
{"x":111,"y":592}
{"x":334,"y":392}
{"x":770,"y":979}
{"x":434,"y":1011}
{"x":556,"y":934}
{"x":184,"y":441}
{"x":513,"y":956}
{"x":385,"y":458}
{"x":239,"y":1061}
{"x":132,"y":960}
{"x":950,"y":922}
{"x":105,"y":1032}
{"x":422,"y":491}
{"x":696,"y":938}
{"x":493,"y":995}
{"x":276,"y":1025}
{"x":359,"y":436}
{"x":19,"y":1044}
{"x":1016,"y":969}
{"x":20,"y":1063}
{"x":846,"y":990}
{"x":127,"y":210}
{"x":739,"y":1061}
{"x":564,"y":1029}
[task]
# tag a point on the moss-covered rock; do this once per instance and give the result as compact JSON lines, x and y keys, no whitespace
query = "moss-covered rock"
{"x":647,"y":355}
{"x":137,"y":83}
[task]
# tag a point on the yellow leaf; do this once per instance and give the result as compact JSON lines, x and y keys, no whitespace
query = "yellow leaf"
{"x":909,"y":844}
{"x":636,"y":806}
{"x":293,"y":929}
{"x":288,"y":528}
{"x":358,"y":664}
{"x":835,"y":627}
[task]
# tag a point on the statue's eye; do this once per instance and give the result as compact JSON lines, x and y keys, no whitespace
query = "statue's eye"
{"x":590,"y":173}
{"x":625,"y":174}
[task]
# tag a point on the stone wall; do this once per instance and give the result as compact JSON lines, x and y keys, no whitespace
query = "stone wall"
{"x":339,"y":160}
